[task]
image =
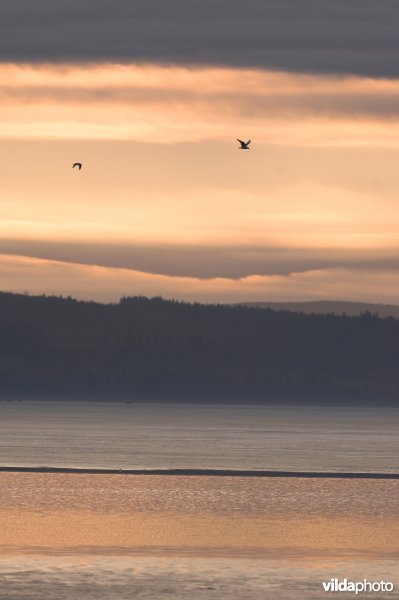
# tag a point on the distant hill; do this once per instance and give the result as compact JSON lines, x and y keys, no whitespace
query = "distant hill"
{"x":151,"y":349}
{"x":335,"y":307}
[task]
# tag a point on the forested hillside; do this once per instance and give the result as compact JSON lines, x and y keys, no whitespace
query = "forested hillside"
{"x":152,"y":349}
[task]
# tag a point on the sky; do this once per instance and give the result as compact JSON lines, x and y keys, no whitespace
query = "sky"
{"x":150,"y":96}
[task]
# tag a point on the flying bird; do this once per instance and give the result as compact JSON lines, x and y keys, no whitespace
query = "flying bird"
{"x":79,"y":165}
{"x":244,"y":145}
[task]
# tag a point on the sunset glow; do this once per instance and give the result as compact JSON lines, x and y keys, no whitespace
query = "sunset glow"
{"x":162,"y":170}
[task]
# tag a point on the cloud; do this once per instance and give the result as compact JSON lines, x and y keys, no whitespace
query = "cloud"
{"x":316,"y":36}
{"x":205,"y":261}
{"x":22,"y":274}
{"x":249,"y":93}
{"x":174,"y":104}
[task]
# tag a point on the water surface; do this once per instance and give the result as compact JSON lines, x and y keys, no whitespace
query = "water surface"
{"x":76,"y":536}
{"x":115,"y":435}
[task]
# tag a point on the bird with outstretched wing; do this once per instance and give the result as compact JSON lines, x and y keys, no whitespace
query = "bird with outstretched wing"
{"x":244,"y":145}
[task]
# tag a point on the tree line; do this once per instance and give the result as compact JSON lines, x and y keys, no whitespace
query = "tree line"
{"x":143,"y":349}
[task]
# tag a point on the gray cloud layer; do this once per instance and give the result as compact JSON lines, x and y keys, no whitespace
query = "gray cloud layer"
{"x":327,"y":104}
{"x":331,"y":36}
{"x":204,"y":261}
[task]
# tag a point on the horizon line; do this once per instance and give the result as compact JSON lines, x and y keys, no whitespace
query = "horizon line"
{"x":187,"y":472}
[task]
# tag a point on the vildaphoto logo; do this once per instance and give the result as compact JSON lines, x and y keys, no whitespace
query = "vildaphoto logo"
{"x":344,"y":585}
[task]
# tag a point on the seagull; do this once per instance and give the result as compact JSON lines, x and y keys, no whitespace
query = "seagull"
{"x":79,"y":165}
{"x":244,"y":145}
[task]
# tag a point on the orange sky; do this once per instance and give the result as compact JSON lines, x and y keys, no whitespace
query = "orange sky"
{"x":162,"y":170}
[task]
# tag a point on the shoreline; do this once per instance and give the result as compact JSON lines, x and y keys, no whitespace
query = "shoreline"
{"x":201,"y":472}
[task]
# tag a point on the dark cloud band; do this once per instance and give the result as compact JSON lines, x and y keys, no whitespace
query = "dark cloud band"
{"x":329,"y":36}
{"x":205,"y":262}
{"x":374,"y":105}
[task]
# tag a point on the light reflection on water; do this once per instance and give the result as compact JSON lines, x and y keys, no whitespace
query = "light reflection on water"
{"x":91,"y":537}
{"x":75,"y":537}
{"x":183,"y":578}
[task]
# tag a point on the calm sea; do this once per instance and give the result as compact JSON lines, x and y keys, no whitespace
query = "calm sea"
{"x":72,"y":536}
{"x":170,"y":436}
